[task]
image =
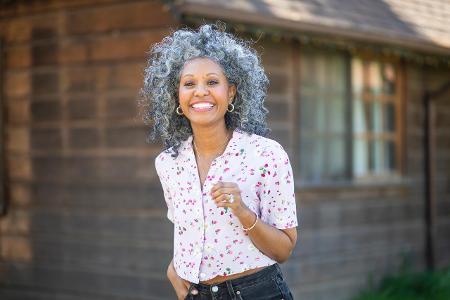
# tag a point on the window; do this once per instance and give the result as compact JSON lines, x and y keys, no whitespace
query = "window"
{"x":348,"y":118}
{"x":374,"y":116}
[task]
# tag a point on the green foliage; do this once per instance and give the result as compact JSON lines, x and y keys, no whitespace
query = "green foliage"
{"x":411,"y":286}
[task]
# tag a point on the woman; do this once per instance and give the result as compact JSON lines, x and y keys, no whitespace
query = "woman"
{"x":229,"y":189}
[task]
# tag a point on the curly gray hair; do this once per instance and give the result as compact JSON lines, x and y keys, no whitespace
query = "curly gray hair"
{"x":241,"y":65}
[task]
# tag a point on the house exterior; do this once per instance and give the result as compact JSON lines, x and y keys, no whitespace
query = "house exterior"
{"x":359,"y":98}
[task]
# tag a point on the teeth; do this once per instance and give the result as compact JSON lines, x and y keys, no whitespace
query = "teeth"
{"x":202,"y":105}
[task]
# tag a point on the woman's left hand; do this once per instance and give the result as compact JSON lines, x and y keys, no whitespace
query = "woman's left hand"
{"x":220,"y":193}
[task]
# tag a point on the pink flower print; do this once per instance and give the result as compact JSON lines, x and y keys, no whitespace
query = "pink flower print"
{"x":226,"y":169}
{"x":181,"y":229}
{"x":263,"y":170}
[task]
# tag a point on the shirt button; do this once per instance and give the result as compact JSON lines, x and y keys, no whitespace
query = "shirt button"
{"x":215,"y":289}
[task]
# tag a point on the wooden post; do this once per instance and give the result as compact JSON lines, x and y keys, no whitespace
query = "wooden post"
{"x":2,"y":138}
{"x":428,"y":150}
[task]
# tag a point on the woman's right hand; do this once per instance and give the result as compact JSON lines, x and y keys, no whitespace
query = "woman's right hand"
{"x":180,"y":285}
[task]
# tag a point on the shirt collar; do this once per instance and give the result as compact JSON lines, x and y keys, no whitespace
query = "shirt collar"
{"x":232,"y":147}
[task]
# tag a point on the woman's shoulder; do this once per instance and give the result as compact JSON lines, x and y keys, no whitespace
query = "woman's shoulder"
{"x":262,"y":143}
{"x":164,"y":158}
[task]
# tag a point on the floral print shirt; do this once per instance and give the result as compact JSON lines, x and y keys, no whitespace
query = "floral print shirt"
{"x":209,"y":240}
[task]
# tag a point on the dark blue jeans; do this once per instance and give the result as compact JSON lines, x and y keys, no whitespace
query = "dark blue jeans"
{"x":266,"y":284}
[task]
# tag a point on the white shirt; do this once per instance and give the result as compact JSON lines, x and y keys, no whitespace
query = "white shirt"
{"x":209,"y":240}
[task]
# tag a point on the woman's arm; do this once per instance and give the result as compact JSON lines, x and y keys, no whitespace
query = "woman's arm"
{"x":273,"y":242}
{"x":180,"y":285}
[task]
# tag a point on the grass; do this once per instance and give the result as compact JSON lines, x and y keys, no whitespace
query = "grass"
{"x":411,"y":286}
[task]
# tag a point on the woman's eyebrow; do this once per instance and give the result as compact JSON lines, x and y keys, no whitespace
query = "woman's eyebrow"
{"x":206,"y":74}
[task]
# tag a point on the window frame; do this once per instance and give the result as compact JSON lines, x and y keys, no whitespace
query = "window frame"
{"x":398,"y":174}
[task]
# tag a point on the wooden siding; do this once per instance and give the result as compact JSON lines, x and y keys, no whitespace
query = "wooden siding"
{"x":87,"y":218}
{"x":440,"y":139}
{"x":350,"y":235}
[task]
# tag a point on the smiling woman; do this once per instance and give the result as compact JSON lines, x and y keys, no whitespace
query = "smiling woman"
{"x":204,"y":93}
{"x":239,"y":63}
{"x":229,"y":189}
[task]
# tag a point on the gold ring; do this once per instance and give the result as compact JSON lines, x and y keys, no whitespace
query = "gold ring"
{"x":230,"y":198}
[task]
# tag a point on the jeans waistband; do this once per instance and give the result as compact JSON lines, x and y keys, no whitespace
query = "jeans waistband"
{"x":244,"y":281}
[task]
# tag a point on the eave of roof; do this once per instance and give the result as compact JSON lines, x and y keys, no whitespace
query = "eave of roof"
{"x":217,"y":10}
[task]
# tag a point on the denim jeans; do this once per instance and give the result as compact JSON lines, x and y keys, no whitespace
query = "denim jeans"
{"x":266,"y":284}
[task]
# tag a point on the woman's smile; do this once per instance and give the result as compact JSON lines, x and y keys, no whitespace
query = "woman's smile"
{"x":202,"y":106}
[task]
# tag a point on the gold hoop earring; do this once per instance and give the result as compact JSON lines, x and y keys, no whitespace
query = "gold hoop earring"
{"x":232,"y":107}
{"x":179,"y":113}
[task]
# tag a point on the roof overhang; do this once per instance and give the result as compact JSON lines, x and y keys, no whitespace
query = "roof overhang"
{"x":266,"y":17}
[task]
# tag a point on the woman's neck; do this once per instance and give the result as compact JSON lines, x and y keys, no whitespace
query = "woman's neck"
{"x":210,"y":141}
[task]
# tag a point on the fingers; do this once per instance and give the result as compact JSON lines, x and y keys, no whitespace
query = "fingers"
{"x":187,"y":284}
{"x":224,"y":188}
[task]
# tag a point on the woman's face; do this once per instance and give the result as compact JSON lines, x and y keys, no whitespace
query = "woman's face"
{"x":204,"y":92}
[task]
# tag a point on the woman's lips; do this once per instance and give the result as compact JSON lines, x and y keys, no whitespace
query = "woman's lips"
{"x":202,"y":107}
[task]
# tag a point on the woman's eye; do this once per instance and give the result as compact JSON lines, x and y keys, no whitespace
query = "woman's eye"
{"x":212,"y":82}
{"x":188,"y":83}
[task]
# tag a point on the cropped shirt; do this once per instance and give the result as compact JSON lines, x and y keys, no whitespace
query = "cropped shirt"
{"x":209,"y":240}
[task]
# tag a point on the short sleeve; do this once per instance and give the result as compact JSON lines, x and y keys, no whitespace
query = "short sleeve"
{"x":159,"y":166}
{"x":276,"y":190}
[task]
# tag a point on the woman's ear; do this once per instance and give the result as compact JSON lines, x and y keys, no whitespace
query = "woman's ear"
{"x":231,"y":92}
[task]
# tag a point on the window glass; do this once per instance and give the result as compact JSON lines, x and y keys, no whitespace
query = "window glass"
{"x":322,"y":116}
{"x":332,"y":86}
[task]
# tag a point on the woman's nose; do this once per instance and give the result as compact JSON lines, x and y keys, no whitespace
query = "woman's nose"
{"x":201,"y":90}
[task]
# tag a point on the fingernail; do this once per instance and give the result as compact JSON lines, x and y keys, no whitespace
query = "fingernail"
{"x":194,"y":292}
